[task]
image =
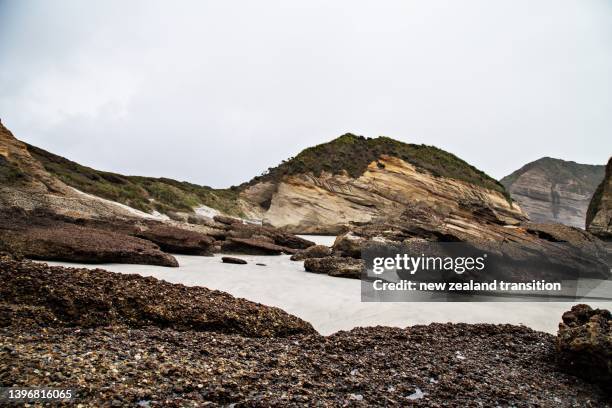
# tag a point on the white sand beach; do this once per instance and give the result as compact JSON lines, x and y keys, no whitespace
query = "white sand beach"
{"x":333,"y":304}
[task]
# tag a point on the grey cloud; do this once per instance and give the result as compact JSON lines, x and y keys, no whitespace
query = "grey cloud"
{"x":216,"y":92}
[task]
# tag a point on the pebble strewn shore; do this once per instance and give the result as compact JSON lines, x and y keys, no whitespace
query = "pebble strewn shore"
{"x":275,"y":360}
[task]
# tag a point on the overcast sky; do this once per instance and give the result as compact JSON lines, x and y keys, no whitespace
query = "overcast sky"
{"x":216,"y":92}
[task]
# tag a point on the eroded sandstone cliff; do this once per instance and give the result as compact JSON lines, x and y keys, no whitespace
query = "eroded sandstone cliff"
{"x":354,"y":180}
{"x":329,"y":203}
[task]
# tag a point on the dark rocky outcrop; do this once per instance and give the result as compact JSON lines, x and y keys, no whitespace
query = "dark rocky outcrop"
{"x":520,"y":252}
{"x":48,"y":238}
{"x":335,"y":266}
{"x":253,"y":247}
{"x":176,"y":240}
{"x":315,"y":251}
{"x":232,"y":260}
{"x":186,"y":239}
{"x":78,"y":239}
{"x":554,"y":191}
{"x":584,"y":342}
{"x":599,"y":214}
{"x":265,"y":233}
{"x":94,"y":298}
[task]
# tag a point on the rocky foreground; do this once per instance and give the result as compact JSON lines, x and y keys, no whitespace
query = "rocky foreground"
{"x":125,"y":340}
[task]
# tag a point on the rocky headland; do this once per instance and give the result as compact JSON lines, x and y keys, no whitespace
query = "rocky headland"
{"x":43,"y":216}
{"x":554,"y":191}
{"x":354,"y":180}
{"x":322,"y":190}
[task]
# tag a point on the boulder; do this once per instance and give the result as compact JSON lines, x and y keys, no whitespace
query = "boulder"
{"x":177,"y":240}
{"x":223,"y":219}
{"x":315,"y":251}
{"x":269,"y":234}
{"x":170,"y":236}
{"x":349,"y":244}
{"x":584,"y":343}
{"x":335,"y":266}
{"x":252,"y":247}
{"x":231,"y":260}
{"x":50,"y":239}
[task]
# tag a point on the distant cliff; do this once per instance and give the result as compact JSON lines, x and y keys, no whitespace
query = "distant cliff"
{"x":599,"y":214}
{"x":554,"y":190}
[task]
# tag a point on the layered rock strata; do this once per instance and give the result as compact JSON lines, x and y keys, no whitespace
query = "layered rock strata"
{"x":554,"y":191}
{"x":330,"y":203}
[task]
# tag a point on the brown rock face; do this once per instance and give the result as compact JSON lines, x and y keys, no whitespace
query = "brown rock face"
{"x":226,"y":220}
{"x":25,"y":183}
{"x":94,"y":298}
{"x":553,"y":190}
{"x":335,"y":266}
{"x":599,"y":217}
{"x":46,"y":238}
{"x":584,"y":342}
{"x":18,"y":168}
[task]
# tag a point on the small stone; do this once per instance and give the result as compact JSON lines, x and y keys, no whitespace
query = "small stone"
{"x":232,"y":260}
{"x":416,"y":395}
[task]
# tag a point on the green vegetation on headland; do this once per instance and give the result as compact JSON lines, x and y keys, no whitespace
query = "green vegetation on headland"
{"x":10,"y":174}
{"x":143,"y":193}
{"x":348,"y":153}
{"x":354,"y":153}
